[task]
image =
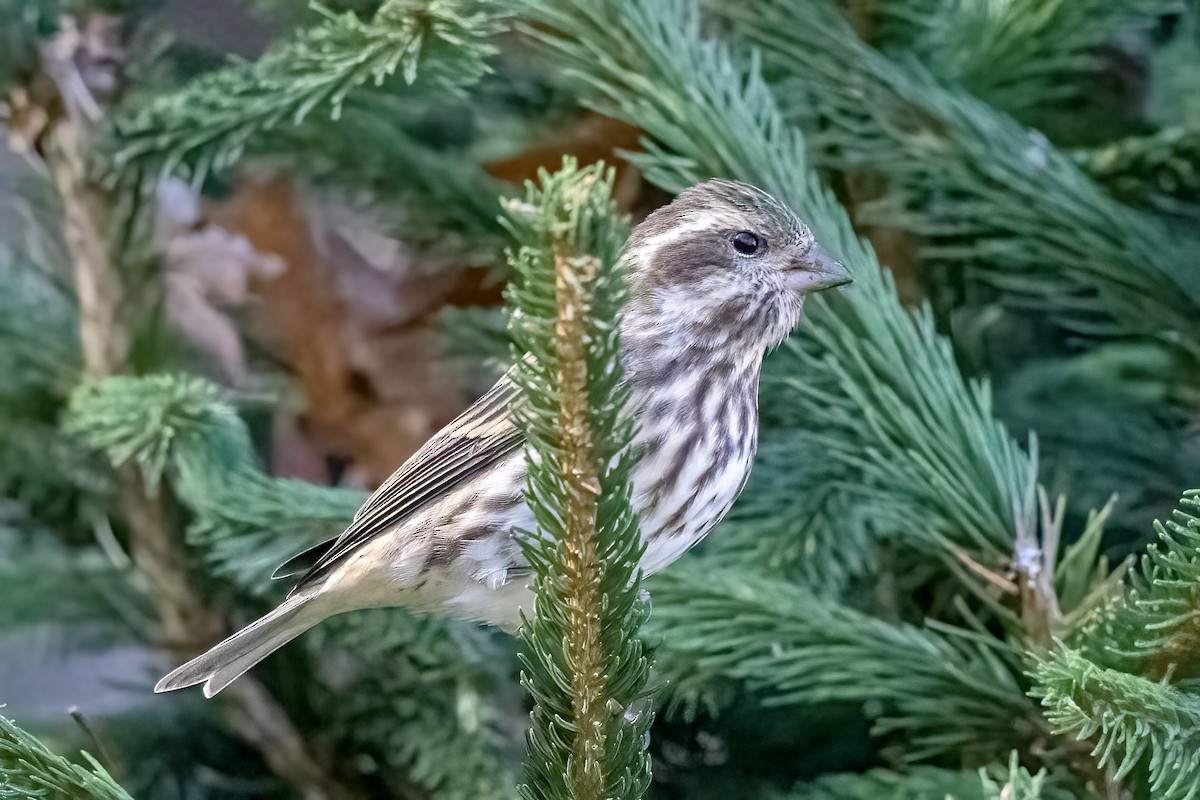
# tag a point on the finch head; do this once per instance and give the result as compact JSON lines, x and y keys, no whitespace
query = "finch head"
{"x":728,"y":263}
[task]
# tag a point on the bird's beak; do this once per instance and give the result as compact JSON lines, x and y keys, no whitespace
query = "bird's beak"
{"x":816,"y":271}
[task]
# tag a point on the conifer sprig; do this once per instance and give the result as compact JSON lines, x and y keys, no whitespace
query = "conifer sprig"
{"x":584,"y":664}
{"x":1130,"y":719}
{"x":1154,"y":630}
{"x":28,"y":769}
{"x":930,"y":783}
{"x":1127,"y":679}
{"x":182,"y":429}
{"x":442,"y":45}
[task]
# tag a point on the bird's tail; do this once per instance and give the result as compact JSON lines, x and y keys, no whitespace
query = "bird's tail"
{"x":223,"y":664}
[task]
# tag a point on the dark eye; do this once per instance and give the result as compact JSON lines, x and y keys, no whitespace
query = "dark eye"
{"x":746,"y":243}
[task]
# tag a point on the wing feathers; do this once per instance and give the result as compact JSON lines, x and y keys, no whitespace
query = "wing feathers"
{"x":479,"y":438}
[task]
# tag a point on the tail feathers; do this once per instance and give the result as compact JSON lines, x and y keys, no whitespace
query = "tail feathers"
{"x":223,"y":664}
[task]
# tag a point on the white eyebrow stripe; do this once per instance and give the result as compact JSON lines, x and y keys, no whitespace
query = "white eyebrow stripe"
{"x":653,"y":244}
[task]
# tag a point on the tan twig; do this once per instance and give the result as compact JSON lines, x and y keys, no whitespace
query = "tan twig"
{"x":583,"y":567}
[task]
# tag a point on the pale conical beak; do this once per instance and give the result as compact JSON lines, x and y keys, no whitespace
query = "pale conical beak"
{"x":818,"y":270}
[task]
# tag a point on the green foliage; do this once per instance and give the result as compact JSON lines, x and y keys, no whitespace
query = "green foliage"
{"x":146,"y":420}
{"x":875,"y":383}
{"x":1128,"y":718}
{"x":28,"y":769}
{"x":1014,"y":784}
{"x":432,"y":696}
{"x":1022,"y":56}
{"x":52,"y":479}
{"x":439,"y":200}
{"x":479,"y":336}
{"x":944,"y":690}
{"x":987,"y":198}
{"x":101,"y":600}
{"x":1126,"y":680}
{"x":24,"y":24}
{"x":438,"y":47}
{"x":819,"y":538}
{"x":933,"y":783}
{"x":1174,"y":69}
{"x":1102,"y":428}
{"x":917,"y":783}
{"x":1161,"y":169}
{"x":38,"y":323}
{"x":1154,"y":630}
{"x":182,"y":428}
{"x":867,"y":573}
{"x":571,"y":238}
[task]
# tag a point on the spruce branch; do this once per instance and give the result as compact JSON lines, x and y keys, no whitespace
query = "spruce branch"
{"x":1130,"y":719}
{"x":1154,"y":630}
{"x":187,"y":623}
{"x":433,"y":697}
{"x":584,"y":665}
{"x":583,"y":574}
{"x":28,"y":769}
{"x":99,"y":227}
{"x":111,"y":302}
{"x":985,"y":195}
{"x":140,"y":454}
{"x":1124,"y":682}
{"x":1012,"y":782}
{"x":438,"y":46}
{"x":876,"y":383}
{"x":183,"y":429}
{"x":1022,"y":56}
{"x":943,"y":689}
{"x":914,"y":783}
{"x":1015,"y":783}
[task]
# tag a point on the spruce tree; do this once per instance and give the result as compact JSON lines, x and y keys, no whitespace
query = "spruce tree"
{"x":961,"y":567}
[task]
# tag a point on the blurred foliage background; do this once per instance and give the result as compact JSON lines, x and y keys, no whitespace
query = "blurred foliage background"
{"x":251,"y":258}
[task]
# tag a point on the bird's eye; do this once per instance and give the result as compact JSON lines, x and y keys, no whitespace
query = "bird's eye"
{"x":746,"y":243}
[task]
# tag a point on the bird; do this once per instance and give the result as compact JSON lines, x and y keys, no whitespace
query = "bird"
{"x":715,"y":280}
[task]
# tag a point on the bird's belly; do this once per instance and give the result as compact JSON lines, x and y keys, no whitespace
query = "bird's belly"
{"x":678,"y":507}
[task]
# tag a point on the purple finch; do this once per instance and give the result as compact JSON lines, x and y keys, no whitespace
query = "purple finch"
{"x":716,"y":279}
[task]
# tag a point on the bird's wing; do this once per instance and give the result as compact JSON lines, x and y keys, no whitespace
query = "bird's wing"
{"x":478,"y":439}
